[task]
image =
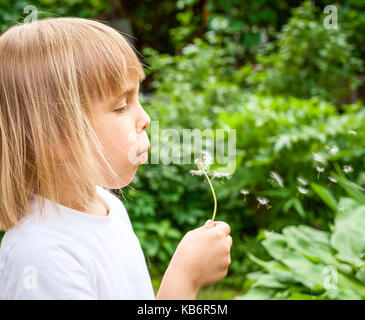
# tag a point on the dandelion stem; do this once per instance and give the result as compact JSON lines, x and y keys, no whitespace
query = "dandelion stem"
{"x":215,"y":199}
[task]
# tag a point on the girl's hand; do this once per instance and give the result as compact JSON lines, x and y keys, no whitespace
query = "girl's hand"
{"x":203,"y":255}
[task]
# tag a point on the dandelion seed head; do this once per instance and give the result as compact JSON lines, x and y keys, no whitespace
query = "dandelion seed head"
{"x":302,"y":190}
{"x":347,"y":169}
{"x":302,"y":181}
{"x":352,"y":132}
{"x":319,"y":169}
{"x":277,"y":178}
{"x":244,"y":191}
{"x":204,"y":161}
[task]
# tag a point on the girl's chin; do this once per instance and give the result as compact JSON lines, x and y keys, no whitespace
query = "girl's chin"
{"x":122,"y":181}
{"x":133,"y":166}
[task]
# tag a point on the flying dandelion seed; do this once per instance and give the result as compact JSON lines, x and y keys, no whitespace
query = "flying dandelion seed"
{"x":302,"y":181}
{"x":277,"y":178}
{"x":347,"y":169}
{"x":317,"y":157}
{"x":332,"y":179}
{"x":216,"y":174}
{"x":302,"y":190}
{"x":263,"y":201}
{"x":245,"y":193}
{"x":352,"y":132}
{"x":319,"y":169}
{"x":334,"y":150}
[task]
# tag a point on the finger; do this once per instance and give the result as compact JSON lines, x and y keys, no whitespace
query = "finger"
{"x":209,"y":223}
{"x":223,"y":226}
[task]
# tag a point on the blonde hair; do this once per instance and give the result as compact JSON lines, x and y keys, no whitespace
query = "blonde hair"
{"x":51,"y":73}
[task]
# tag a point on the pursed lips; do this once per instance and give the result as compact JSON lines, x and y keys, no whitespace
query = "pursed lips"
{"x":145,"y":150}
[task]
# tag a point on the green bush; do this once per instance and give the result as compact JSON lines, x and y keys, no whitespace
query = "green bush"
{"x":205,"y":87}
{"x":202,"y":88}
{"x":287,"y":135}
{"x":308,"y":60}
{"x":243,"y":24}
{"x":12,"y":12}
{"x":351,"y":16}
{"x":313,"y":264}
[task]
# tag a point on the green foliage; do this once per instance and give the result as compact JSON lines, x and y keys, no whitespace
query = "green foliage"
{"x":274,"y":133}
{"x":242,"y":24}
{"x":158,"y":238}
{"x":209,"y":84}
{"x":351,"y":16}
{"x":325,"y":195}
{"x":312,"y":264}
{"x":308,"y":60}
{"x":281,"y":134}
{"x":12,"y":12}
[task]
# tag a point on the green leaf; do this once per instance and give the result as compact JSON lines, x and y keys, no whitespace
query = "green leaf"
{"x":325,"y":195}
{"x":351,"y":189}
{"x":256,"y":294}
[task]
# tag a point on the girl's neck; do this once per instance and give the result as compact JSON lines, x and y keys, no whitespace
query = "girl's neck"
{"x":97,"y":207}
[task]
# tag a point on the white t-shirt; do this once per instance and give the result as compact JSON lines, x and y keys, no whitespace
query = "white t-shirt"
{"x":75,"y":256}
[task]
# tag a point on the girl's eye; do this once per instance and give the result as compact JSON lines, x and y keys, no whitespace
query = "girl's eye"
{"x":122,"y":109}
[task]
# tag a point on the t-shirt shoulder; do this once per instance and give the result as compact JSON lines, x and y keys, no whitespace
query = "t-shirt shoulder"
{"x":37,"y":257}
{"x":34,"y":262}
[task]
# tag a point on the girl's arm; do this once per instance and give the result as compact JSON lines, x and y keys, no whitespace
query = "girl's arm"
{"x":201,"y":258}
{"x":175,"y":286}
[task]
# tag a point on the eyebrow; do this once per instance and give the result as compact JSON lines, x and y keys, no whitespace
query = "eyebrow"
{"x":115,"y":100}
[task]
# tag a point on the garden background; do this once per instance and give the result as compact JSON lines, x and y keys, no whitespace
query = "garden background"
{"x":294,"y":91}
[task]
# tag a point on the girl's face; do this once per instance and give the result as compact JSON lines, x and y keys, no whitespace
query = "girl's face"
{"x":120,"y":126}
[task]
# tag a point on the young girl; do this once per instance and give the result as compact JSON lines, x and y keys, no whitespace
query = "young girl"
{"x":72,"y":129}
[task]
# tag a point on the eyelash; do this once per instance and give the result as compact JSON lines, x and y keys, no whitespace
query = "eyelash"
{"x":121,"y":110}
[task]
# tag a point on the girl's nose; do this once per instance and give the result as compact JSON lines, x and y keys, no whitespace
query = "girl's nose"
{"x":145,"y":121}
